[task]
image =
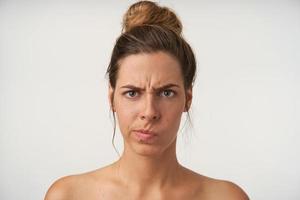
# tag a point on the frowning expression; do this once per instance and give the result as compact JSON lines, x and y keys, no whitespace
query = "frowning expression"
{"x":149,"y":99}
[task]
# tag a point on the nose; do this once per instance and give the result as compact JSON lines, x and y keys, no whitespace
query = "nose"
{"x":150,"y":111}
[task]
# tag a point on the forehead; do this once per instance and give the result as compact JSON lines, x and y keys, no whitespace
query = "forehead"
{"x":151,"y":68}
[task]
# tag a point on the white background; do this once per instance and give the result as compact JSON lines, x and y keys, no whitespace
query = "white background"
{"x":54,"y":110}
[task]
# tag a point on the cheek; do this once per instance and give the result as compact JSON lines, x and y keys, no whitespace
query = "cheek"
{"x":126,"y":115}
{"x":172,"y":115}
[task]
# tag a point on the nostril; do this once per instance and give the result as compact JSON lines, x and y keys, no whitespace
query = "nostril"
{"x":155,"y":117}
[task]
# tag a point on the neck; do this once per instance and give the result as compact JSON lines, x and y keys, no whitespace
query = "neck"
{"x":145,"y":172}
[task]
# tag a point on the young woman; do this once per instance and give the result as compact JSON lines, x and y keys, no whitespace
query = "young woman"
{"x":151,"y":75}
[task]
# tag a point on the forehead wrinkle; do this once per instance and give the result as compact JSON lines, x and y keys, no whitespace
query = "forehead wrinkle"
{"x":152,"y":87}
{"x":151,"y":77}
{"x":153,"y":83}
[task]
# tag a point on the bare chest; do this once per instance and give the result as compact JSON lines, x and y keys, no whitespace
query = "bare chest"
{"x":107,"y":193}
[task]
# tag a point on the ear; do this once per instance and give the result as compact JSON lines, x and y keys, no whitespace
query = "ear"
{"x":188,"y":99}
{"x":111,"y":97}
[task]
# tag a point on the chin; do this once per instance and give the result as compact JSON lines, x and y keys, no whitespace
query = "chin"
{"x":151,"y":150}
{"x":153,"y":147}
{"x":147,"y":150}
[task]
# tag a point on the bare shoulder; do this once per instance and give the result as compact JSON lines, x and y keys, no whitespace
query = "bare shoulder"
{"x":229,"y":190}
{"x":69,"y":187}
{"x":221,"y":189}
{"x":211,"y":189}
{"x":61,"y":189}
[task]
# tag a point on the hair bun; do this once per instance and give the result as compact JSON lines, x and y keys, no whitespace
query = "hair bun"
{"x":149,"y":13}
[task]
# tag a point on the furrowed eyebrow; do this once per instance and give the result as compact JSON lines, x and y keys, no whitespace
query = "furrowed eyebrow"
{"x":167,"y":86}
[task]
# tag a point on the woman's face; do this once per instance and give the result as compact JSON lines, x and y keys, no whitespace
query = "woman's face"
{"x":149,"y":99}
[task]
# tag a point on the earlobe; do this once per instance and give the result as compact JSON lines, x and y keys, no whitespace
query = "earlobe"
{"x":189,"y":96}
{"x":111,"y":97}
{"x":187,"y":107}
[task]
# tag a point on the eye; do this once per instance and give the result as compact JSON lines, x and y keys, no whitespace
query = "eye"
{"x":131,"y":94}
{"x":167,"y":93}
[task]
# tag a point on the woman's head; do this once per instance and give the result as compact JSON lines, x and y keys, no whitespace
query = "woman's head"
{"x":150,"y":55}
{"x":149,"y":28}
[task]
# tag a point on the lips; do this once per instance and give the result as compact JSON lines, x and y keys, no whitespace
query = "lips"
{"x":144,"y":135}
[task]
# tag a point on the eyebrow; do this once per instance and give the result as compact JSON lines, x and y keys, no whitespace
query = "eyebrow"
{"x":156,"y":89}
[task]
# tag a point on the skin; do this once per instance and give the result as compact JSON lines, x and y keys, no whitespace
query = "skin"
{"x":147,"y":169}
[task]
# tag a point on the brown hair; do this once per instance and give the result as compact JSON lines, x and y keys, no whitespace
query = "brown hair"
{"x":148,"y":28}
{"x":146,"y":12}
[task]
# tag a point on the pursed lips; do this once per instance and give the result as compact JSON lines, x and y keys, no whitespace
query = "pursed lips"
{"x":144,"y":135}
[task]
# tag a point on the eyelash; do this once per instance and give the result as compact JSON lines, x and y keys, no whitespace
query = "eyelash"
{"x":160,"y":93}
{"x":130,"y":91}
{"x":173,"y":92}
